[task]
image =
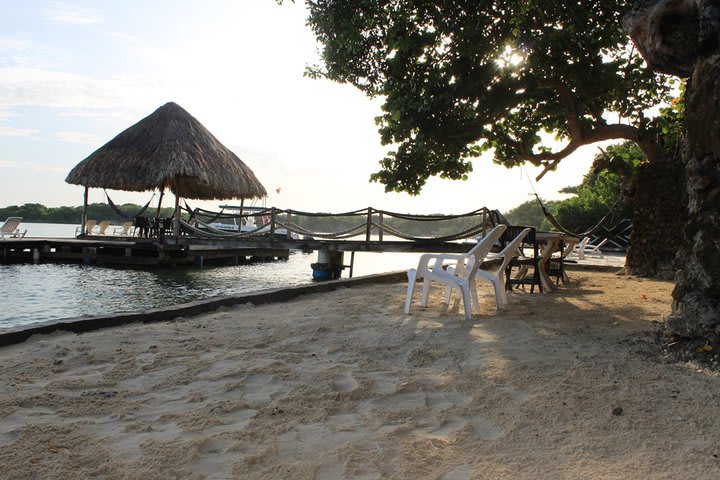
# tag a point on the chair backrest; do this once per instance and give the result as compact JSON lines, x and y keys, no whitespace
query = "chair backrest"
{"x":512,"y":249}
{"x":483,"y":247}
{"x":126,"y":227}
{"x":597,"y":247}
{"x":142,"y":222}
{"x":486,"y":242}
{"x":89,"y":225}
{"x":582,"y":243}
{"x":103,"y":226}
{"x":513,"y":231}
{"x":11,"y":224}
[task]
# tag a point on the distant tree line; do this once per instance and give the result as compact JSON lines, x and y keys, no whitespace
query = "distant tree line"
{"x":38,"y":213}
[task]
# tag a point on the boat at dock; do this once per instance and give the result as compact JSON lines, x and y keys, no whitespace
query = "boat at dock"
{"x":246,"y":219}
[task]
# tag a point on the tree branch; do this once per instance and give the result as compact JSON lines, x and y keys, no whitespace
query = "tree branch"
{"x":607,"y":132}
{"x":569,"y":102}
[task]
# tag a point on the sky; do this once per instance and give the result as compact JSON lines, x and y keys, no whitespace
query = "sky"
{"x":75,"y":74}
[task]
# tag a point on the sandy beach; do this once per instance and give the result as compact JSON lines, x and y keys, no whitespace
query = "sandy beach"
{"x":344,"y":385}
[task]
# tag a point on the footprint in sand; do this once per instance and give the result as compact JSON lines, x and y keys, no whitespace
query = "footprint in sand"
{"x":515,"y":393}
{"x":461,"y":472}
{"x":259,"y":390}
{"x":484,"y":428}
{"x":345,"y":382}
{"x":480,"y":426}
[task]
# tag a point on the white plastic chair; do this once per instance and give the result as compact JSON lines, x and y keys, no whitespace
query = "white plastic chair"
{"x":461,"y":275}
{"x":497,"y":276}
{"x":89,"y":225}
{"x":103,"y":226}
{"x":10,"y":228}
{"x":123,"y":229}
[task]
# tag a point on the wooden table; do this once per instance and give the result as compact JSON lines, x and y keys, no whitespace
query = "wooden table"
{"x":549,"y":243}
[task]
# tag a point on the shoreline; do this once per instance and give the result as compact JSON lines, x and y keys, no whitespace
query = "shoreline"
{"x":15,"y":335}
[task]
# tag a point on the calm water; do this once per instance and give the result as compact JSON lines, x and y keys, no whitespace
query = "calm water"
{"x":37,"y":293}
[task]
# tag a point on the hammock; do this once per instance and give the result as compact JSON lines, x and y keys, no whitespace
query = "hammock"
{"x":120,"y":213}
{"x":557,"y":225}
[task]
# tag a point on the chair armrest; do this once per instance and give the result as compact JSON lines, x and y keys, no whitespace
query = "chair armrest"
{"x":439,"y":260}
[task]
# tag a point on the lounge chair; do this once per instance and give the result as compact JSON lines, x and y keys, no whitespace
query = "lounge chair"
{"x":125,"y":229}
{"x":594,"y":250}
{"x":585,"y":249}
{"x":103,"y":226}
{"x":577,"y":250}
{"x":10,"y":228}
{"x":89,"y":225}
{"x":460,"y":276}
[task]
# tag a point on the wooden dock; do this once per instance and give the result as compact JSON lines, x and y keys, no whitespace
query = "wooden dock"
{"x":366,"y":230}
{"x":133,"y":251}
{"x":171,"y":252}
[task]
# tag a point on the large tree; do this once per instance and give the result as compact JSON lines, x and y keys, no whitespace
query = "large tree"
{"x":531,"y":80}
{"x":682,"y":37}
{"x":461,"y":77}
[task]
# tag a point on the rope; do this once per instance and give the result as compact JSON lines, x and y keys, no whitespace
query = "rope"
{"x":432,"y":218}
{"x":351,"y":232}
{"x":470,"y":232}
{"x":489,"y":218}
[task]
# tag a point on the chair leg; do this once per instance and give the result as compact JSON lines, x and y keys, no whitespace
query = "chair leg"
{"x":425,"y":292}
{"x":498,"y":287}
{"x":474,"y":296}
{"x":412,"y":273}
{"x":448,"y":294}
{"x":467,"y":302}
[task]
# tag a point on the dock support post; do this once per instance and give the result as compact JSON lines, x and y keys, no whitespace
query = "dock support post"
{"x":329,"y":265}
{"x":380,"y":232}
{"x":199,"y":261}
{"x":36,"y":256}
{"x":273,"y":214}
{"x":84,"y":214}
{"x":368,"y":228}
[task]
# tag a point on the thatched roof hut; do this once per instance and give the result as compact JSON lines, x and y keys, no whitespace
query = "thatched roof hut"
{"x":168,"y":149}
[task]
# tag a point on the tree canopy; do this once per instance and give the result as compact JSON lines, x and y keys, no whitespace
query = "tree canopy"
{"x":460,"y":77}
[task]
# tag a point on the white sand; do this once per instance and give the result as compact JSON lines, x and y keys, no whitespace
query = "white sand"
{"x":344,"y":385}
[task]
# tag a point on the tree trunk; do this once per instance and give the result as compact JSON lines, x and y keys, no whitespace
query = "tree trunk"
{"x":682,"y":37}
{"x":696,"y":298}
{"x":659,"y":215}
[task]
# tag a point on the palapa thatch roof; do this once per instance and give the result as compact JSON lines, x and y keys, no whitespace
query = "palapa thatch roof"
{"x":168,"y":149}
